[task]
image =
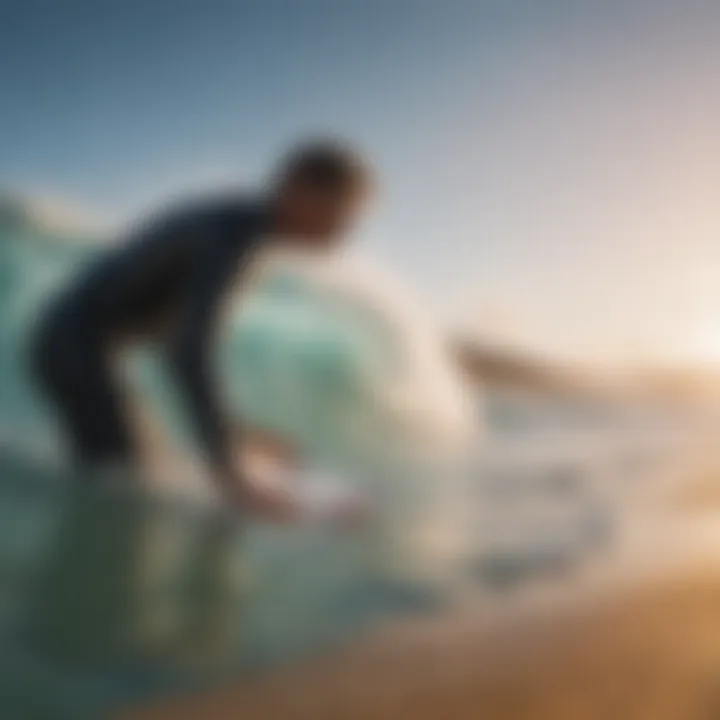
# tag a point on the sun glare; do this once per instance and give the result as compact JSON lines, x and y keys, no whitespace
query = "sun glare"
{"x":708,"y":349}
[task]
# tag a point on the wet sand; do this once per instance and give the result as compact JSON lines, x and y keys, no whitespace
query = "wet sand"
{"x":637,"y":639}
{"x":649,"y":651}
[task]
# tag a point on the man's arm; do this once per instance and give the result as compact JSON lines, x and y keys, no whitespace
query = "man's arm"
{"x":192,"y":348}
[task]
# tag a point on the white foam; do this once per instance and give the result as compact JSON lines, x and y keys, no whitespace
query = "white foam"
{"x":334,"y":354}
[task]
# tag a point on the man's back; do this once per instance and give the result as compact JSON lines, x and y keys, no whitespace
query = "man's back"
{"x":139,"y":285}
{"x":167,"y":281}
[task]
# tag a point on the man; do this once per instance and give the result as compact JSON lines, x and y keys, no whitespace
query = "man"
{"x":167,"y":284}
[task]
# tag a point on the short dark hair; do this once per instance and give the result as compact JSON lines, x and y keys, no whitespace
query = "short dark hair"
{"x":329,"y":164}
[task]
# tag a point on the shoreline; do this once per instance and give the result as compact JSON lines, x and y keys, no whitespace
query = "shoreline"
{"x":644,"y":647}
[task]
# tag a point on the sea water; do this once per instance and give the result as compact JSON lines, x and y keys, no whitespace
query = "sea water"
{"x":110,"y":594}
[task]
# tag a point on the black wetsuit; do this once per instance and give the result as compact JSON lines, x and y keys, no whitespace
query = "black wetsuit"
{"x":167,"y":282}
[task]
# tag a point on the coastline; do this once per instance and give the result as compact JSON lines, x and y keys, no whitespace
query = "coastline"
{"x":637,"y":638}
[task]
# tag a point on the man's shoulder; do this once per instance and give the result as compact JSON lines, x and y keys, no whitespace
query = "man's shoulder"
{"x":199,"y":224}
{"x":225,"y":207}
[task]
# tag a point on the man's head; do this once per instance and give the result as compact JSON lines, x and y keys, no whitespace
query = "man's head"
{"x":319,"y":189}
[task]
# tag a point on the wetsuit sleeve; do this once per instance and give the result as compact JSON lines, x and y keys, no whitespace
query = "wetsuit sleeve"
{"x":191,"y":353}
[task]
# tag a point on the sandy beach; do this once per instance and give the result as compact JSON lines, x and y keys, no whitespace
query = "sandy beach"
{"x":647,"y":652}
{"x":630,"y":641}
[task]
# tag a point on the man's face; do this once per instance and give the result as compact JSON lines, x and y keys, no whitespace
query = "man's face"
{"x":317,"y":216}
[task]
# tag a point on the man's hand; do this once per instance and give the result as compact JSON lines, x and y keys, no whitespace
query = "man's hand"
{"x":253,"y":496}
{"x":272,"y":489}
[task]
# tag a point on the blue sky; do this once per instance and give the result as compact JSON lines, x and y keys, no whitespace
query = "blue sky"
{"x":549,"y":169}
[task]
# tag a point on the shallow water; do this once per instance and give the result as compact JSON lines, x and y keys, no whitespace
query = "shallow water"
{"x":121,"y":595}
{"x":108,"y":595}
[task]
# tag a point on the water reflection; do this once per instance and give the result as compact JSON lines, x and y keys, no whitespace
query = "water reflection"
{"x":125,"y":583}
{"x":111,"y":593}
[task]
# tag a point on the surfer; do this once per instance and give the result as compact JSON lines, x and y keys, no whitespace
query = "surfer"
{"x":166,"y":283}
